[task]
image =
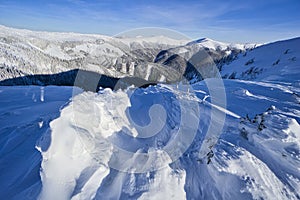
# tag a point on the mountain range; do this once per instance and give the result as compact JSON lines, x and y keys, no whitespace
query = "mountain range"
{"x":206,"y":120}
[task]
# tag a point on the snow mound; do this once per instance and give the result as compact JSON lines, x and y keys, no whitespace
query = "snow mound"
{"x":93,"y":149}
{"x":96,"y":150}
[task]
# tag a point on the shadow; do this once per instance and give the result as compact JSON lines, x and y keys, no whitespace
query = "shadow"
{"x":87,"y":80}
{"x":24,"y":125}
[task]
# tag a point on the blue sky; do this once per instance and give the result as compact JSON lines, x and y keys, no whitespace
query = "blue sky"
{"x":229,"y":20}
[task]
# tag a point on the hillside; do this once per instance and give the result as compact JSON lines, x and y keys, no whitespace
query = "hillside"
{"x":278,"y":61}
{"x":24,"y":52}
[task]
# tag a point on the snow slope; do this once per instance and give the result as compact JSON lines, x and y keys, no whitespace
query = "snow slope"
{"x":278,"y":61}
{"x":25,"y":114}
{"x":93,"y":149}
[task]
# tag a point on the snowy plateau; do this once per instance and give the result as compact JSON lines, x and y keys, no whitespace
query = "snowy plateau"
{"x":218,"y":121}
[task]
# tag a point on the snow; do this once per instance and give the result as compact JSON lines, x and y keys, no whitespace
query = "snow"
{"x":166,"y":185}
{"x":212,"y":44}
{"x":271,"y":62}
{"x":216,"y":139}
{"x":252,"y":163}
{"x":33,"y":52}
{"x":93,"y":148}
{"x":23,"y":120}
{"x":154,"y":40}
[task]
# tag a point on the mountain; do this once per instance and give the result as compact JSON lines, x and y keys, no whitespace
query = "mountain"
{"x":277,"y":61}
{"x":24,"y":52}
{"x":233,"y":135}
{"x":194,"y":60}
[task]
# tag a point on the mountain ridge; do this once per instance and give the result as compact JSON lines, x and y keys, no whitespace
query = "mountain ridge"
{"x":32,"y":52}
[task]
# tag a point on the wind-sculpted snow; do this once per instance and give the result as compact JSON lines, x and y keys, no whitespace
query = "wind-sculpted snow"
{"x":25,"y":114}
{"x":97,"y":139}
{"x":93,"y":150}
